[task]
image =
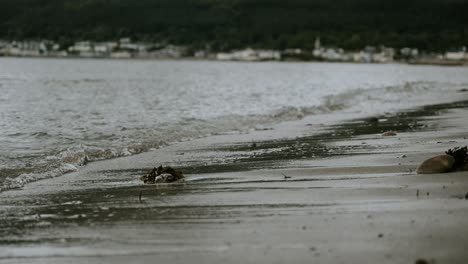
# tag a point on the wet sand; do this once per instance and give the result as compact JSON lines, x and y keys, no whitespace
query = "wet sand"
{"x":302,"y":192}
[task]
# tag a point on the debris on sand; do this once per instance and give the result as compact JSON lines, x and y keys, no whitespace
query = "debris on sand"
{"x":162,"y":175}
{"x":372,"y":120}
{"x":421,"y":261}
{"x":453,"y":160}
{"x":389,"y":134}
{"x":460,"y":155}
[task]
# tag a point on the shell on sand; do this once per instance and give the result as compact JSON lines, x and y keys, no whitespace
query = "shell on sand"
{"x":437,"y":164}
{"x":389,"y":134}
{"x":162,"y":175}
{"x":164,"y":178}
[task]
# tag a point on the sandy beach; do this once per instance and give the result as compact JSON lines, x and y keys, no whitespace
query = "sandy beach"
{"x":233,"y":132}
{"x":308,"y":191}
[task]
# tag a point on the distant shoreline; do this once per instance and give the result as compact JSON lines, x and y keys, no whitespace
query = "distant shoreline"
{"x":429,"y":62}
{"x":126,"y":48}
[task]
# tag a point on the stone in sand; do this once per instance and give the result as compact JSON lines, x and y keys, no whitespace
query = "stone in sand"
{"x":454,"y":160}
{"x":389,"y":134}
{"x":437,"y":164}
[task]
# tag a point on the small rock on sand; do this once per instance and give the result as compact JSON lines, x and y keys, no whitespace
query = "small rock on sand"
{"x":389,"y":134}
{"x":437,"y":164}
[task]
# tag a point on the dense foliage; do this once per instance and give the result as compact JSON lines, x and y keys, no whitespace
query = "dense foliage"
{"x":227,"y":24}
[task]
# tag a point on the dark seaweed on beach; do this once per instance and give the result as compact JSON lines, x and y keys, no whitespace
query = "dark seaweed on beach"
{"x":162,"y":175}
{"x":460,"y":155}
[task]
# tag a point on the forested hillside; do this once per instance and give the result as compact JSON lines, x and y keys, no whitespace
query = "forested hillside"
{"x":227,"y":24}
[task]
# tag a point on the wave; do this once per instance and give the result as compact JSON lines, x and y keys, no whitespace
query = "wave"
{"x":365,"y":102}
{"x":21,"y":180}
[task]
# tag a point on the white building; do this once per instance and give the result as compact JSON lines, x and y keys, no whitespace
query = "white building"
{"x":333,"y":54}
{"x":200,"y":54}
{"x":456,"y":55}
{"x":250,"y":55}
{"x":224,"y":56}
{"x":246,"y":55}
{"x":81,"y":47}
{"x":409,"y":52}
{"x":268,"y":55}
{"x":105,"y":47}
{"x":363,"y":57}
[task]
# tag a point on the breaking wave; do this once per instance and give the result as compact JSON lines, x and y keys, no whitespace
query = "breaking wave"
{"x":364,"y":101}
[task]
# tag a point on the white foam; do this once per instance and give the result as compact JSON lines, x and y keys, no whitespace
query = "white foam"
{"x":11,"y":183}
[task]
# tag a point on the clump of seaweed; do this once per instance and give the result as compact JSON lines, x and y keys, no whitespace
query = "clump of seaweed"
{"x":459,"y":154}
{"x":455,"y":159}
{"x":162,"y":175}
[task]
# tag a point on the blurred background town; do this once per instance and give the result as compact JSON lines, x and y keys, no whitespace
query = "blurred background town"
{"x":362,"y":31}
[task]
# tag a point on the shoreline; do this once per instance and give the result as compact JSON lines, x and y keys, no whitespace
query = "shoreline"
{"x":342,"y":104}
{"x":353,"y":197}
{"x":422,"y":62}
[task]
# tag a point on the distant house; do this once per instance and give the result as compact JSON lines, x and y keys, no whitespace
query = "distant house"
{"x":333,"y":54}
{"x":101,"y":48}
{"x":389,"y":53}
{"x":456,"y":55}
{"x":200,"y":54}
{"x":246,"y":55}
{"x":409,"y":52}
{"x":250,"y":55}
{"x":362,"y":57}
{"x":81,"y":47}
{"x":225,"y":56}
{"x":171,"y":51}
{"x":268,"y":55}
{"x":379,"y":58}
{"x":105,"y":47}
{"x":384,"y":55}
{"x":292,"y":51}
{"x":318,"y":52}
{"x":24,"y":49}
{"x":125,"y":41}
{"x":127,"y":44}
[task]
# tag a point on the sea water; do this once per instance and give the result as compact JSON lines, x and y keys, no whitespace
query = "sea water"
{"x":58,"y":114}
